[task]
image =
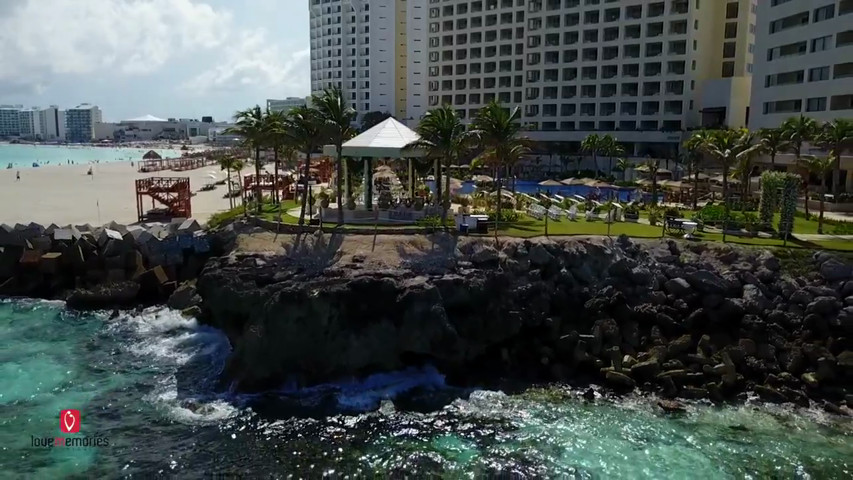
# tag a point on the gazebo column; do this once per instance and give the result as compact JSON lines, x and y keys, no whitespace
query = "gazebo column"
{"x":347,"y":189}
{"x":411,"y":178}
{"x":368,"y":184}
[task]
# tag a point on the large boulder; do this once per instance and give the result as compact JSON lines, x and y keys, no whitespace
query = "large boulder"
{"x":184,"y":297}
{"x":678,"y":287}
{"x":104,"y":296}
{"x":707,"y":282}
{"x":833,"y":270}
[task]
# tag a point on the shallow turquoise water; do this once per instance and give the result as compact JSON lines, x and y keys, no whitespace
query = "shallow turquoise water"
{"x":148,"y":383}
{"x":23,"y":156}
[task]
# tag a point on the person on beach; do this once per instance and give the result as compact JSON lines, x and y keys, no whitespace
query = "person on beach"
{"x":18,"y":176}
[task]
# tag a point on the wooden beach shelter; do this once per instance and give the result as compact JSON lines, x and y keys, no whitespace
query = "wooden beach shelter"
{"x":152,"y":155}
{"x":387,"y":139}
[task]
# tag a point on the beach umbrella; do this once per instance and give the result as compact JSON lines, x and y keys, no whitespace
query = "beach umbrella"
{"x":644,"y":182}
{"x":152,"y":155}
{"x":550,"y":183}
{"x":571,"y":181}
{"x":482,"y":179}
{"x":691,"y":179}
{"x":597,"y":184}
{"x":504,"y":193}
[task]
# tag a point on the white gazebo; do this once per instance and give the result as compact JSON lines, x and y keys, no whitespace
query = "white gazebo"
{"x":387,"y":139}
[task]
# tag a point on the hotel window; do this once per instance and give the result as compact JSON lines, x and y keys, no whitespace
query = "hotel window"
{"x":729,"y":49}
{"x":821,"y":43}
{"x":824,"y":13}
{"x":817,"y":104}
{"x":728,"y":69}
{"x":818,"y":74}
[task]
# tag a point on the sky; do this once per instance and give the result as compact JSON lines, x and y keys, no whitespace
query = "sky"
{"x":167,"y":58}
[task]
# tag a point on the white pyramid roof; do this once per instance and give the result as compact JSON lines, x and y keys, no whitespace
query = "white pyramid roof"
{"x":385,"y":139}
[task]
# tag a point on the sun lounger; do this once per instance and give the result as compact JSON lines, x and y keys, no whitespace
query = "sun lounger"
{"x":572,"y":213}
{"x":554,"y":213}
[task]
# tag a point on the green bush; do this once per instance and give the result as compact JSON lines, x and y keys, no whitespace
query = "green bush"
{"x":429,"y":221}
{"x":712,"y":214}
{"x":221,"y":218}
{"x":672,"y":212}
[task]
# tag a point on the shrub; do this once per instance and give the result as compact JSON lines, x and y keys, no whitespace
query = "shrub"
{"x":712,"y":214}
{"x":672,"y":212}
{"x":430,"y":222}
{"x":633,"y":209}
{"x":654,"y":215}
{"x":221,"y":218}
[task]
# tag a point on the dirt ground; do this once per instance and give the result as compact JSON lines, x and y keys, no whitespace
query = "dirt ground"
{"x":380,"y":251}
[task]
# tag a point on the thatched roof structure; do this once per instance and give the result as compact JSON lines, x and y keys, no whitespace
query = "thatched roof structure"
{"x":152,"y":155}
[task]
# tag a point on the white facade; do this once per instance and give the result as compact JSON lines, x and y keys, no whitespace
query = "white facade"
{"x":285,"y":105}
{"x":363,"y":46}
{"x":148,"y":127}
{"x":30,"y":123}
{"x":10,"y":122}
{"x":80,"y":123}
{"x":804,"y":61}
{"x":637,"y":69}
{"x":52,"y":121}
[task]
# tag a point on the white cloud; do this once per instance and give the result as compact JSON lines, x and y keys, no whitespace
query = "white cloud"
{"x":252,"y":61}
{"x":42,"y":39}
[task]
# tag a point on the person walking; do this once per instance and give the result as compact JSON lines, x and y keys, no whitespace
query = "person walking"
{"x":18,"y":176}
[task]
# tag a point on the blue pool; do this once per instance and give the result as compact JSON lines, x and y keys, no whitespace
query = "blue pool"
{"x":624,"y":194}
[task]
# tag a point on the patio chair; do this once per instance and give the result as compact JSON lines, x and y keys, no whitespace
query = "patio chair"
{"x":673,"y":226}
{"x":572,"y":213}
{"x":554,"y":213}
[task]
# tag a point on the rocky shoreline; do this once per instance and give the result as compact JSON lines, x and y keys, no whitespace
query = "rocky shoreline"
{"x":683,"y":320}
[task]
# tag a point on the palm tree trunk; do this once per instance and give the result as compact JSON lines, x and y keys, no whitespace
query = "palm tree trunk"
{"x":609,"y":165}
{"x":498,"y":199}
{"x":696,"y":188}
{"x":822,"y":195}
{"x":437,"y":196}
{"x":595,"y":163}
{"x":654,"y":189}
{"x":725,"y":199}
{"x":305,"y":192}
{"x":258,"y":193}
{"x":228,"y":179}
{"x":772,"y":160}
{"x":276,"y":197}
{"x":339,"y":173}
{"x":445,"y":203}
{"x":836,"y":175}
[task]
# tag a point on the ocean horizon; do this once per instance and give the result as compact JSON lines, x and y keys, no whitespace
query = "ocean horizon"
{"x":25,"y":156}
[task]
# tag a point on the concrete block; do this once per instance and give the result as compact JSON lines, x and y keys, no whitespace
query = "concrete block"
{"x":189,"y":225}
{"x":50,"y":262}
{"x":41,"y":243}
{"x":30,"y":257}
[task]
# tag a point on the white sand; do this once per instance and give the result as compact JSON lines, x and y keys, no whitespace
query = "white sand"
{"x":64,"y":194}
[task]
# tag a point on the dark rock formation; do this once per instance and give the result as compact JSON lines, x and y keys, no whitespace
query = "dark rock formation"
{"x":690,"y":321}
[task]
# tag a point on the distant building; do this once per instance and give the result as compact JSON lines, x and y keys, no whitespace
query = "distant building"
{"x":285,"y":105}
{"x":10,"y":123}
{"x":803,"y":61}
{"x":80,"y":123}
{"x":52,"y":121}
{"x":217,"y":135}
{"x":149,"y":127}
{"x":30,"y":123}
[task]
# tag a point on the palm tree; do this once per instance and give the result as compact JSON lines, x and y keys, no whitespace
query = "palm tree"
{"x":592,"y":144}
{"x":622,"y":165}
{"x":819,"y":166}
{"x":276,"y":137}
{"x":836,"y":137}
{"x":305,"y":132}
{"x":693,"y":146}
{"x":249,"y":124}
{"x":445,"y":139}
{"x":729,"y":147}
{"x":338,"y":116}
{"x":651,"y":165}
{"x":230,"y":163}
{"x":497,"y":130}
{"x":611,"y":148}
{"x":797,"y":131}
{"x":773,"y":142}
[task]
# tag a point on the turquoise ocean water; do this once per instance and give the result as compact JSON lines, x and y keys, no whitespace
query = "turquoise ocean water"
{"x":23,"y":156}
{"x":147,"y":383}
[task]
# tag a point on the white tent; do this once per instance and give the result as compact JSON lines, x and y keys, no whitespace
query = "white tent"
{"x":386,"y":139}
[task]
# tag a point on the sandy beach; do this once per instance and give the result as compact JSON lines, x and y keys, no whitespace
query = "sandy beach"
{"x":64,"y":194}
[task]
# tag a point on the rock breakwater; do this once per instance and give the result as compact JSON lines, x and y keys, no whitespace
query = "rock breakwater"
{"x":683,"y":320}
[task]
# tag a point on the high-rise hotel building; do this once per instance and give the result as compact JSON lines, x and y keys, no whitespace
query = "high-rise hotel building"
{"x":375,"y":51}
{"x":804,"y":61}
{"x":645,"y":71}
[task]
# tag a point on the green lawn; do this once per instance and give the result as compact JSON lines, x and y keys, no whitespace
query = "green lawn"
{"x":527,"y":226}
